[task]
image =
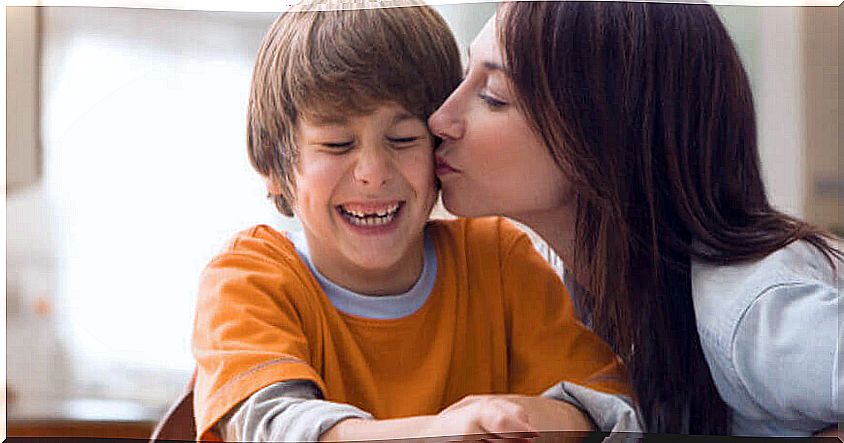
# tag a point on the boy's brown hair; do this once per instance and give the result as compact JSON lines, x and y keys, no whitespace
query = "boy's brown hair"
{"x":338,"y":64}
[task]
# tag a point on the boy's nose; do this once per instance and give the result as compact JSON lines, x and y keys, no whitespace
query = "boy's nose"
{"x":374,"y":167}
{"x":444,"y":122}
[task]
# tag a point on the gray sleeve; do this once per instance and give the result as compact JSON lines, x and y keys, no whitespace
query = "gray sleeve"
{"x":785,"y":352}
{"x":286,"y":411}
{"x":611,"y":413}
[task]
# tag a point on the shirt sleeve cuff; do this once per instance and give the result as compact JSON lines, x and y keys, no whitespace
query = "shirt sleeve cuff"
{"x":611,"y":413}
{"x":286,"y":411}
{"x":309,"y":419}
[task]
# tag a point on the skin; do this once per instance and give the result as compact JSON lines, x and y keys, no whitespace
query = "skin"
{"x":376,"y":160}
{"x":473,"y":418}
{"x":490,"y":161}
{"x":366,"y":164}
{"x":373,"y":161}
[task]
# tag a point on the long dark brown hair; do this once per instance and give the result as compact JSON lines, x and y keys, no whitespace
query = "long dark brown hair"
{"x":648,"y":110}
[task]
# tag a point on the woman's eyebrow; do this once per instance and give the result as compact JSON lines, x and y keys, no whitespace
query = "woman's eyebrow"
{"x":488,"y":65}
{"x":492,"y":66}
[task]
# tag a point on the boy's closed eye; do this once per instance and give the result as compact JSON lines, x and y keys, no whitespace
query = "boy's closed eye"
{"x":404,"y":141}
{"x":396,"y":141}
{"x":338,"y":145}
{"x":407,"y":131}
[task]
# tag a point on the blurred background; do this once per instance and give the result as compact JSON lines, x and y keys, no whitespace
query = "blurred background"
{"x":126,"y":172}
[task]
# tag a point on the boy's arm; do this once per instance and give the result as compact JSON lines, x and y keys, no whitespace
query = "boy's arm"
{"x":286,"y":411}
{"x":544,"y":414}
{"x":273,"y":415}
{"x":486,"y":417}
{"x":249,"y":330}
{"x":294,"y":411}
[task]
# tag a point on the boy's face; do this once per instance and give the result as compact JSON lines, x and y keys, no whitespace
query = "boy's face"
{"x":364,"y":187}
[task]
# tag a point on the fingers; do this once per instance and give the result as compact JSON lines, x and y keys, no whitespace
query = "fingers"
{"x":488,"y":417}
{"x":505,"y":419}
{"x":470,"y":399}
{"x":463,"y":402}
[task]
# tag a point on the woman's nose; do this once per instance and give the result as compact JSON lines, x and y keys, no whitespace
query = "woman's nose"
{"x":445,"y":122}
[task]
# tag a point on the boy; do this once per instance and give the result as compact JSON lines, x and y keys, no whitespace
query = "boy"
{"x":374,"y":321}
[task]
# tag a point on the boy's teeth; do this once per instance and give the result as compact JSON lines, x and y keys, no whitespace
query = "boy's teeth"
{"x":380,"y":213}
{"x":371,"y":221}
{"x":376,"y":218}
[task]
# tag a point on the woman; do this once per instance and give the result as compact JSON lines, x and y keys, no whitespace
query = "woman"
{"x":624,"y":134}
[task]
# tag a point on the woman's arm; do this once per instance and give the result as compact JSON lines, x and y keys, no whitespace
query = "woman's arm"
{"x":785,"y":351}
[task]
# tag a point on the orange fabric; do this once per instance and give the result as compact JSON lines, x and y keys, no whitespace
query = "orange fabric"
{"x":498,"y":320}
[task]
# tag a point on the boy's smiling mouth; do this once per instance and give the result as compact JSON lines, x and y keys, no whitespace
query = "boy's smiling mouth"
{"x":367,"y":215}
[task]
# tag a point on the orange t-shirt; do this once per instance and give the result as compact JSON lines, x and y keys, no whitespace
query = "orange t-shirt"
{"x":498,"y":320}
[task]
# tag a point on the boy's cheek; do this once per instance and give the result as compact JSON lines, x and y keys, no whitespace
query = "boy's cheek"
{"x":432,"y":199}
{"x":421,"y":159}
{"x":421,"y":173}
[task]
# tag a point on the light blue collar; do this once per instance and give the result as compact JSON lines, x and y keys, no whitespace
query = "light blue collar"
{"x":380,"y":307}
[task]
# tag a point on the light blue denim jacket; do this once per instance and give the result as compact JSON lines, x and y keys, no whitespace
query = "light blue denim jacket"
{"x":771,"y":334}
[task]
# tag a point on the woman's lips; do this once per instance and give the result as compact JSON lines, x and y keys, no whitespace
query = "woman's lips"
{"x":442,"y":167}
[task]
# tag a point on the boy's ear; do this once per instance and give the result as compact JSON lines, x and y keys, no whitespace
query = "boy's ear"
{"x":273,"y":187}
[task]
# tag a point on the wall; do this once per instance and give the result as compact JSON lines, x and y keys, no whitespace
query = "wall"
{"x":22,"y":78}
{"x":188,"y":72}
{"x":824,"y":186}
{"x":144,"y":178}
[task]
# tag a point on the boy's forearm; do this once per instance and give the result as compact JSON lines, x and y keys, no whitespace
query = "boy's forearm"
{"x":290,"y":410}
{"x":359,"y":429}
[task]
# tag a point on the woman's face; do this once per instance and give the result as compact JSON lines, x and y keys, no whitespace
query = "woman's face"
{"x":490,"y":161}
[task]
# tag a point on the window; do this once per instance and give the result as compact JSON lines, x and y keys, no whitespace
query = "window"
{"x":144,"y":178}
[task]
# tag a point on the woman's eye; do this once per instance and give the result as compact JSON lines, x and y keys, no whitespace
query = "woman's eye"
{"x":492,"y":102}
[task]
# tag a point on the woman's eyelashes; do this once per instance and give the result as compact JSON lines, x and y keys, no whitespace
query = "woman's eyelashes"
{"x":491,"y":101}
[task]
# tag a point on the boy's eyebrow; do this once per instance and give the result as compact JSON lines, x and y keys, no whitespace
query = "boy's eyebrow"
{"x":329,"y":120}
{"x":402,"y":116}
